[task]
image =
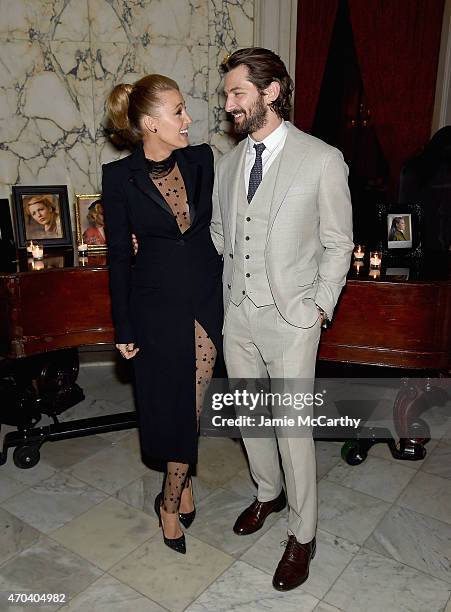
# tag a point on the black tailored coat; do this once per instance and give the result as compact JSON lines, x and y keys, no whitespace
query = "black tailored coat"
{"x":175,"y":280}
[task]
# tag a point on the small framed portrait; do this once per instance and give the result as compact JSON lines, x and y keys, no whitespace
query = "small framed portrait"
{"x":90,"y":221}
{"x":400,"y":229}
{"x":42,"y":215}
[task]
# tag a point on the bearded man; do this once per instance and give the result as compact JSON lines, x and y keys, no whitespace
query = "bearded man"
{"x":282,"y":219}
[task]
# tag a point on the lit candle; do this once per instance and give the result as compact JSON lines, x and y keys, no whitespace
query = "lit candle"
{"x":30,"y":247}
{"x":38,"y":251}
{"x":82,"y":260}
{"x":359,"y":252}
{"x":82,"y":247}
{"x":375,"y":259}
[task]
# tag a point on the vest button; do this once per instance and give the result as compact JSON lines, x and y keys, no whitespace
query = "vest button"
{"x":247,"y":274}
{"x":181,"y":242}
{"x":246,"y":256}
{"x":231,"y":255}
{"x":244,"y":293}
{"x":248,"y":218}
{"x":229,"y":286}
{"x":247,"y":237}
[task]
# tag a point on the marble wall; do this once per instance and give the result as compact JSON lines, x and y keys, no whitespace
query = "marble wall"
{"x":60,"y":58}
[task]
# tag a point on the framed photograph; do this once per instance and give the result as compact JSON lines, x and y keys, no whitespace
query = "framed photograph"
{"x":400,"y":230}
{"x":90,"y":221}
{"x":42,"y":215}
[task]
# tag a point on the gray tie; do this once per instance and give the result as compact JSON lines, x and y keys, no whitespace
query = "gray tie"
{"x":257,"y":171}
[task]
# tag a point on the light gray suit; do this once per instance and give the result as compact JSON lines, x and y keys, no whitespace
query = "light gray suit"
{"x":284,"y":254}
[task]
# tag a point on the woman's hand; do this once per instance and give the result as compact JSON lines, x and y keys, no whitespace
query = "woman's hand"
{"x":127,"y":350}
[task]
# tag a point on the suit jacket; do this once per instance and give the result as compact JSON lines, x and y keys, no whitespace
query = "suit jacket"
{"x":309,"y":237}
{"x":174,"y":268}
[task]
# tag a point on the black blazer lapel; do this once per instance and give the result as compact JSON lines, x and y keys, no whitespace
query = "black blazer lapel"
{"x":140,"y":179}
{"x":191,"y":173}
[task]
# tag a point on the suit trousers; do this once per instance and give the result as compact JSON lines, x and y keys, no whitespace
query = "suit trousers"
{"x":259,"y":343}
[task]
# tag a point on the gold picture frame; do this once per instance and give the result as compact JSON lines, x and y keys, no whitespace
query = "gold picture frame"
{"x":89,"y":222}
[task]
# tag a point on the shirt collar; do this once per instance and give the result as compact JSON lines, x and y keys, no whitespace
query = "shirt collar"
{"x":272,"y":141}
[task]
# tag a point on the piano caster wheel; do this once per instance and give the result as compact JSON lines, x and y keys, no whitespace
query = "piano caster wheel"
{"x":353,"y":453}
{"x":26,"y":456}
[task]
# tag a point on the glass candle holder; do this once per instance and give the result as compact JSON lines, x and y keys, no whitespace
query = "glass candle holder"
{"x":357,"y":265}
{"x":375,"y":259}
{"x":38,"y":251}
{"x":359,"y":252}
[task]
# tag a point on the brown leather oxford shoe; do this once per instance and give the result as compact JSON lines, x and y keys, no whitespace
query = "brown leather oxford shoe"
{"x":293,"y":568}
{"x":252,"y":519}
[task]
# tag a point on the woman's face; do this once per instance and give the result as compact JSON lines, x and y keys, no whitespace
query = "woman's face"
{"x":401,"y":225}
{"x":40,"y":213}
{"x":172,"y":120}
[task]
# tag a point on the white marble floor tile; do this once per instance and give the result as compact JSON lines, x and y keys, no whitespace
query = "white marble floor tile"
{"x":131,"y":442}
{"x":216,"y":515}
{"x":92,"y":407}
{"x":332,"y":555}
{"x":29,"y":476}
{"x":439,"y":461}
{"x":47,"y":567}
{"x":324,"y":607}
{"x":219,"y":460}
{"x":373,"y":583}
{"x":348,"y":513}
{"x":53,"y":502}
{"x":327,"y":456}
{"x":9,"y":486}
{"x":109,"y":595}
{"x":15,"y":535}
{"x":169,"y":578}
{"x":377,"y":477}
{"x":107,"y":533}
{"x":428,"y":494}
{"x":448,"y":606}
{"x":65,"y":453}
{"x":247,"y":589}
{"x":414,"y":539}
{"x":242,"y":484}
{"x":110,"y":469}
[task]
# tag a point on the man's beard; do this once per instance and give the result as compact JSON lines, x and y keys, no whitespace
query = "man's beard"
{"x":254,"y":119}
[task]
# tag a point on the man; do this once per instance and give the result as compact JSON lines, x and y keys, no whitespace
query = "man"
{"x":282,"y":219}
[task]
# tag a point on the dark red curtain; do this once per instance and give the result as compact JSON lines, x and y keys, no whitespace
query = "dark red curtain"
{"x":314,"y":30}
{"x":397,"y":44}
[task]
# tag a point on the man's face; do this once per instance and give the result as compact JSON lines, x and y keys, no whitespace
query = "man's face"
{"x":244,"y":102}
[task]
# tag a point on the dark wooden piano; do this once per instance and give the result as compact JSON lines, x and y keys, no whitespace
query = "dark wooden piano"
{"x":48,"y":309}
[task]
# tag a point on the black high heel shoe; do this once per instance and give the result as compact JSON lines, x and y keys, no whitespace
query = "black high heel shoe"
{"x":186,"y":518}
{"x":177,"y":544}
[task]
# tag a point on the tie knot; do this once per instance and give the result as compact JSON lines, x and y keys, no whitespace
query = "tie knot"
{"x":259,"y":148}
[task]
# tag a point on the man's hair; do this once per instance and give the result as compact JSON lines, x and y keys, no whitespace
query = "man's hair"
{"x":264,"y":67}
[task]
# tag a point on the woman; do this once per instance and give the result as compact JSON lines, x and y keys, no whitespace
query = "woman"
{"x":44,"y":221}
{"x":397,"y":229}
{"x":95,"y":233}
{"x":167,"y":309}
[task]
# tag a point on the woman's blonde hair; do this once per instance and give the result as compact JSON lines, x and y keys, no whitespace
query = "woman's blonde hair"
{"x":48,"y":202}
{"x":128,"y":104}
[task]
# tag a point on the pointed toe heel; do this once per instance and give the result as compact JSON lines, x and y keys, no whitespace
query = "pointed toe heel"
{"x":177,"y":544}
{"x":186,"y":518}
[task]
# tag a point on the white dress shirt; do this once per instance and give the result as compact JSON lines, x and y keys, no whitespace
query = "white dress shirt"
{"x":273,"y":145}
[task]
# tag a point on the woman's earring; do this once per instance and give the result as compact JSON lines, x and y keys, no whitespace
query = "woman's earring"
{"x":154,"y":130}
